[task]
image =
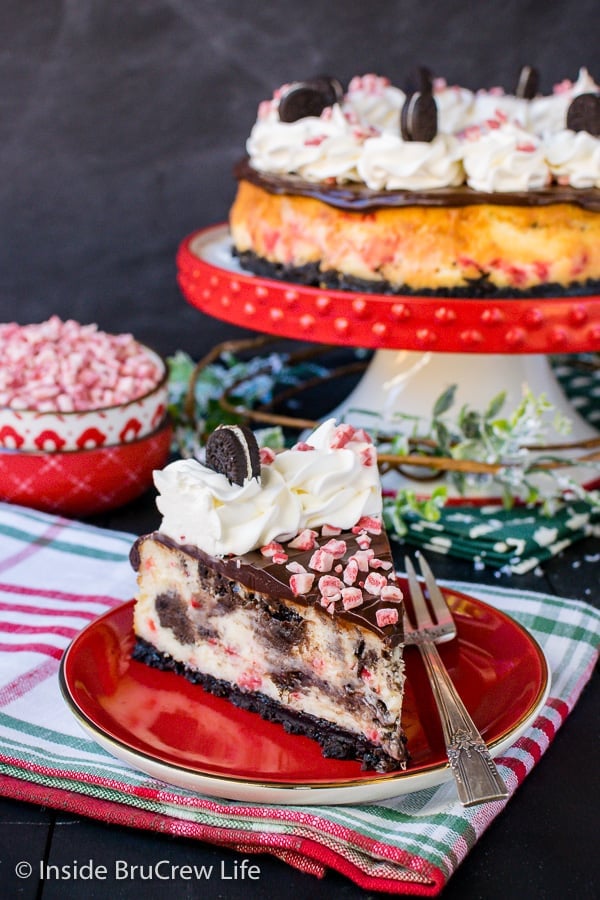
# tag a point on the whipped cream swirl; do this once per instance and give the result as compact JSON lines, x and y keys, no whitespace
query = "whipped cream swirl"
{"x":315,"y":147}
{"x":548,"y":114}
{"x":504,"y":158}
{"x":333,"y":475}
{"x":574,"y":158}
{"x":391,"y":163}
{"x":331,"y":479}
{"x":200,"y":507}
{"x":374,"y":102}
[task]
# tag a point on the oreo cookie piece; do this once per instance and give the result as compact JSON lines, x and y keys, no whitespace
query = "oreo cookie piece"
{"x":331,"y":87}
{"x":418,"y":118}
{"x":584,"y":114}
{"x":233,"y":451}
{"x":309,"y":98}
{"x":420,"y":79}
{"x":528,"y":83}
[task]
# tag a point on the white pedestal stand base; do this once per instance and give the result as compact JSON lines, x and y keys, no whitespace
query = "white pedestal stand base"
{"x":408,"y":383}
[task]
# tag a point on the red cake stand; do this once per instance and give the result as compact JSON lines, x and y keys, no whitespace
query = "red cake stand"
{"x":423,"y":344}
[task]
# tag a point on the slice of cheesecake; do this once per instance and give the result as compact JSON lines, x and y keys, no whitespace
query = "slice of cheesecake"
{"x":302,"y":624}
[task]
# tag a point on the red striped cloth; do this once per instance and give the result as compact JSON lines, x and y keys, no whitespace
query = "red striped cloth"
{"x":57,"y":576}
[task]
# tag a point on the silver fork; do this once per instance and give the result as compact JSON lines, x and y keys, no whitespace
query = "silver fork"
{"x":477,"y":778}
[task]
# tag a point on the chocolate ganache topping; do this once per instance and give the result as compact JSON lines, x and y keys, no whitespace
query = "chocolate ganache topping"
{"x":359,"y":197}
{"x":264,"y":574}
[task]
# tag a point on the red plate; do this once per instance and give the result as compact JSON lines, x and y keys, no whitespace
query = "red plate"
{"x":212,"y":281}
{"x":177,"y":732}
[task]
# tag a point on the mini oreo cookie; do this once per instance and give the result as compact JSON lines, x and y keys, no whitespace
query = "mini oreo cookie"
{"x":420,"y":79}
{"x":418,"y":118}
{"x":584,"y":114}
{"x":309,"y":98}
{"x":233,"y":451}
{"x":528,"y":83}
{"x":331,"y":87}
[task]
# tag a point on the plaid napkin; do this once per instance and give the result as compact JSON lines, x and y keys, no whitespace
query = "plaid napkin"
{"x":56,"y":576}
{"x":516,"y":540}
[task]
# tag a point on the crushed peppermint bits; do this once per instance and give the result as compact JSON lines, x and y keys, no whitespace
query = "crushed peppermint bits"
{"x":67,"y":367}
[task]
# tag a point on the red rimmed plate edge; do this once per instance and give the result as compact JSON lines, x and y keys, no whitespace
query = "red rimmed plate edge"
{"x":247,"y":787}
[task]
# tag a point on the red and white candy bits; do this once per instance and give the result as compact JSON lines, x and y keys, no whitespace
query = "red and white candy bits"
{"x":67,"y":367}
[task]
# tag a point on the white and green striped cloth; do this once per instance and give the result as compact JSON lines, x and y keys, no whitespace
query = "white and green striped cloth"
{"x":56,"y":576}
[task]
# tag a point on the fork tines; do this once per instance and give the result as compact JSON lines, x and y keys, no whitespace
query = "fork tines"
{"x":436,"y":598}
{"x":442,"y":623}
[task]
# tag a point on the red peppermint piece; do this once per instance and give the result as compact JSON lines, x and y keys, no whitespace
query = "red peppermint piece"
{"x":336,"y":548}
{"x":367,"y":523}
{"x":267,"y":455}
{"x":321,"y":561}
{"x":271,"y":549}
{"x":364,"y":540}
{"x":386,"y":616}
{"x":305,"y":540}
{"x":330,"y":530}
{"x":342,"y":435}
{"x":361,"y":435}
{"x":391,"y":593}
{"x":363,"y":558}
{"x":330,"y":586}
{"x":301,"y":583}
{"x":351,"y":597}
{"x":368,"y":456}
{"x":374,"y":583}
{"x":351,"y":571}
{"x":381,"y":564}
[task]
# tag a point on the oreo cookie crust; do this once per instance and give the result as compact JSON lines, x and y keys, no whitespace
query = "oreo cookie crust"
{"x":480,"y":288}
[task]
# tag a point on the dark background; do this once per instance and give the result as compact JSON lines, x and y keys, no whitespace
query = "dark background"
{"x":119,"y":125}
{"x":120,"y":122}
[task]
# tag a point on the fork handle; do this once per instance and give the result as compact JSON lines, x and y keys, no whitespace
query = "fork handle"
{"x":477,"y":778}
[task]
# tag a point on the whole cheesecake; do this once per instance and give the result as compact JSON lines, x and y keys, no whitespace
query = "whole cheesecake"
{"x":437,"y":191}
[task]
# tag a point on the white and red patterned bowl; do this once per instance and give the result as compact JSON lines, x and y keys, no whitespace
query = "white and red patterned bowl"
{"x":54,"y":432}
{"x":84,"y":482}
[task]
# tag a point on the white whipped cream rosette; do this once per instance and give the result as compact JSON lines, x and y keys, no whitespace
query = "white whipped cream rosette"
{"x":495,"y":104}
{"x":373,"y":102}
{"x":315,"y":147}
{"x":573,"y":157}
{"x":454,"y":106}
{"x":504,"y":158}
{"x":390,"y":163}
{"x":335,"y":482}
{"x":201,"y":507}
{"x":548,"y":114}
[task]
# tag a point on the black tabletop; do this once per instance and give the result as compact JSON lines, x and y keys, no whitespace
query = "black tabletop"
{"x":544,"y":844}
